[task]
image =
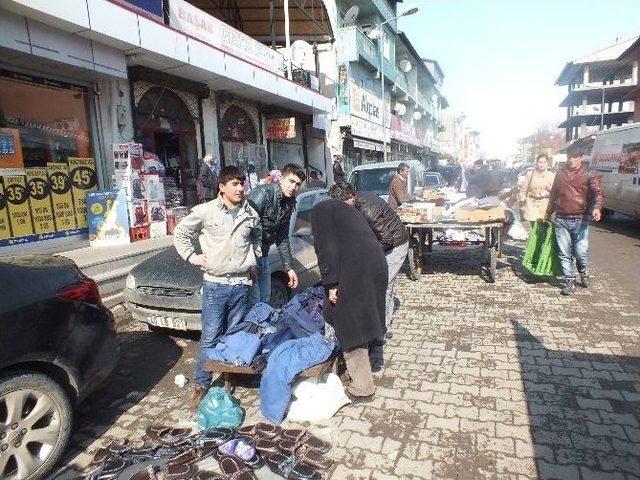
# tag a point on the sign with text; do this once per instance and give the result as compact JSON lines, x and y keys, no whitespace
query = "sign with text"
{"x":40,"y":200}
{"x":83,"y":177}
{"x":17,"y":196}
{"x":365,"y":104}
{"x":198,"y":24}
{"x":5,"y":229}
{"x":366,"y":129}
{"x":108,"y":217}
{"x":281,"y":128}
{"x":61,"y":198}
{"x":404,"y":131}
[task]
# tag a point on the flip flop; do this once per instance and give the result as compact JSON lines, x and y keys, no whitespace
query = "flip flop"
{"x":303,"y":436}
{"x":235,"y":469}
{"x":110,"y":468}
{"x":242,"y":449}
{"x":183,"y":471}
{"x":306,"y":454}
{"x":213,"y":437}
{"x":167,"y":435}
{"x":265,"y":445}
{"x":193,"y":455}
{"x":289,"y":466}
{"x":261,"y":429}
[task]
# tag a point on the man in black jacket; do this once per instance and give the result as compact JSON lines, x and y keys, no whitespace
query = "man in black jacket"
{"x":388,"y":228}
{"x":274,"y":203}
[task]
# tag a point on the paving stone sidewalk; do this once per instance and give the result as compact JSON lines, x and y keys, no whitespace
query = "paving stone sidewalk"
{"x":489,"y":381}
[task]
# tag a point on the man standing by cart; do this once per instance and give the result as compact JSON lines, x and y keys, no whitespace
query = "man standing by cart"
{"x":230,"y":238}
{"x":576,"y":197}
{"x":274,"y":203}
{"x":398,"y":189}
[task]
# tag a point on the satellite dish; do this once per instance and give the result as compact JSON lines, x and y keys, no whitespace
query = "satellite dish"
{"x":417,"y":115}
{"x":400,"y":108}
{"x":351,"y":16}
{"x":300,"y":52}
{"x":405,"y":65}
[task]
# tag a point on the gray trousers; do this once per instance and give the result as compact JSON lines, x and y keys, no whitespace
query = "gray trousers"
{"x":395,"y":259}
{"x":359,"y":370}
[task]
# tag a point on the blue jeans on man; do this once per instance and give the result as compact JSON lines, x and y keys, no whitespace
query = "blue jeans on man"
{"x":223,"y":307}
{"x":260,"y":291}
{"x":572,"y":237}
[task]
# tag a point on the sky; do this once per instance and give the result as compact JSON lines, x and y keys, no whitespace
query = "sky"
{"x":501,"y":58}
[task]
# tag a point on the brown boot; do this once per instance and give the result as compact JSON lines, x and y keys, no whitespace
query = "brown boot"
{"x":197,"y":396}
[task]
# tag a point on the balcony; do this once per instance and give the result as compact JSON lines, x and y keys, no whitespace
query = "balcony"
{"x":401,"y":82}
{"x":354,"y":45}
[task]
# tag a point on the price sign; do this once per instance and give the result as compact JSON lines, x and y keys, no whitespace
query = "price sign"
{"x":40,"y":200}
{"x":5,"y":229}
{"x":82,"y":174}
{"x":17,"y":196}
{"x":61,"y":198}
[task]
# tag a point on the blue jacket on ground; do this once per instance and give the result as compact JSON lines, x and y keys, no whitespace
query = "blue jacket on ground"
{"x":285,"y":362}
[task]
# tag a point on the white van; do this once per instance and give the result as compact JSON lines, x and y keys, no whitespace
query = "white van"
{"x":375,"y":177}
{"x":616,"y":155}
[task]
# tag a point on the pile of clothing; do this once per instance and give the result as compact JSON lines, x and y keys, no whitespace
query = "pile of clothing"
{"x":214,"y":454}
{"x":281,"y":343}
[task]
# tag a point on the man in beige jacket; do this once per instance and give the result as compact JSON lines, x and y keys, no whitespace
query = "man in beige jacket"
{"x":230,"y":238}
{"x":398,"y":190}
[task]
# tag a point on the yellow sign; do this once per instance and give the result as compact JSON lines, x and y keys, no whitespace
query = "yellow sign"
{"x":82,"y":174}
{"x":17,"y":195}
{"x":5,"y":230}
{"x":41,"y":210}
{"x":63,"y":208}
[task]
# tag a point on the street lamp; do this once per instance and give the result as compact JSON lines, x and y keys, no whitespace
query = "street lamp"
{"x":377,"y":34}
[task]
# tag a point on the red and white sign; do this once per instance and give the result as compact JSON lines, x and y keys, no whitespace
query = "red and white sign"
{"x":201,"y":25}
{"x":281,"y":128}
{"x":404,"y":131}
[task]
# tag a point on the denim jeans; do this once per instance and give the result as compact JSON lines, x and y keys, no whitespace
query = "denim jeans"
{"x":260,"y":291}
{"x":572,"y":237}
{"x":395,"y":260}
{"x":223,"y":306}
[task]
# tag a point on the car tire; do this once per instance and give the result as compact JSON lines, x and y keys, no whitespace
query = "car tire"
{"x":280,"y":292}
{"x":40,"y":432}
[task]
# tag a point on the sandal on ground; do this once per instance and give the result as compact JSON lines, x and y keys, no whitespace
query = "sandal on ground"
{"x":234,"y":469}
{"x":204,"y":475}
{"x":241,"y":449}
{"x":212,"y":437}
{"x":265,"y":445}
{"x":110,"y":468}
{"x":289,"y":466}
{"x":303,"y":436}
{"x":183,"y":471}
{"x":306,"y":454}
{"x":193,"y":455}
{"x":264,"y":430}
{"x":167,"y":435}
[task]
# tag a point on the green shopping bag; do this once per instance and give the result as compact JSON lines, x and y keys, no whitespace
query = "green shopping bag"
{"x":541,"y":256}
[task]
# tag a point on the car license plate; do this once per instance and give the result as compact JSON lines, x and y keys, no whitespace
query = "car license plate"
{"x":167,"y":322}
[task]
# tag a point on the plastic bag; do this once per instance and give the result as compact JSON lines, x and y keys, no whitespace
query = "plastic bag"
{"x":541,"y":255}
{"x":219,"y":409}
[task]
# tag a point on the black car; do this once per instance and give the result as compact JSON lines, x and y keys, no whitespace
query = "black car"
{"x":57,"y":343}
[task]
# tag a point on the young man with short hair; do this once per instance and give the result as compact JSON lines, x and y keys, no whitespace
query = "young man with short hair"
{"x":274,"y":203}
{"x":398,"y":188}
{"x":576,"y":197}
{"x":230,"y":236}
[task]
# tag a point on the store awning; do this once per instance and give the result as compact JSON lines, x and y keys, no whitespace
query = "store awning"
{"x":595,"y":119}
{"x":369,"y":145}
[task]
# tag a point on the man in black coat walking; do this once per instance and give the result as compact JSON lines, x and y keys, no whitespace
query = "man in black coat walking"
{"x":354,"y":272}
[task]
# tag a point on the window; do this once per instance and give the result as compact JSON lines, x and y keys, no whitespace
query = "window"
{"x":375,"y":180}
{"x":303,"y":217}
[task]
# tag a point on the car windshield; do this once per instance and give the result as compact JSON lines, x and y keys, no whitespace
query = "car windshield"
{"x":432,"y":181}
{"x":374,"y":180}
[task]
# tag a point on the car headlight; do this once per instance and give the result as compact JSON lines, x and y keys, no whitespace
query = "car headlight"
{"x":130,"y":282}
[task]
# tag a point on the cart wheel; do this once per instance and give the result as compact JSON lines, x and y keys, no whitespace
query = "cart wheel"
{"x":493,"y":270}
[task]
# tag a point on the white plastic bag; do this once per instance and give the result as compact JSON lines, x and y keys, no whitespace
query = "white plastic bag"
{"x":317,"y":398}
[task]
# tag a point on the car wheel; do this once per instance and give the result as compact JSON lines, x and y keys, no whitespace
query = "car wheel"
{"x":280,"y":293}
{"x":35,"y":425}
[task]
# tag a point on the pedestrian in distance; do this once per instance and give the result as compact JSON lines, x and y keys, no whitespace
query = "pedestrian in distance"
{"x":576,"y":198}
{"x":534,"y":194}
{"x":315,"y":179}
{"x":338,"y":169}
{"x":207,"y":181}
{"x":354,"y":273}
{"x":274,"y":203}
{"x":230,"y":237}
{"x":479,"y":180}
{"x":398,"y":189}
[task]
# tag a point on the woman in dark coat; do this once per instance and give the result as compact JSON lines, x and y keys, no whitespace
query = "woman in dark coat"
{"x":354,"y":272}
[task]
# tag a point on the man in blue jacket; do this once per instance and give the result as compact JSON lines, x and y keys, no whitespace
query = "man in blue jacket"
{"x":274,"y":203}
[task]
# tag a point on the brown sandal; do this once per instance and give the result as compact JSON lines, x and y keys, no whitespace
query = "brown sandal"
{"x":168,"y":472}
{"x":306,"y":454}
{"x":235,"y":469}
{"x":263,"y":430}
{"x":166,"y":435}
{"x":303,"y":436}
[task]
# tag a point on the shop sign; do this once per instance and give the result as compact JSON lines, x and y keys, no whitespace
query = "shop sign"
{"x":108,"y":218}
{"x":365,"y":104}
{"x":365,"y":129}
{"x":10,"y":148}
{"x":281,"y":128}
{"x":17,"y":196}
{"x":61,"y":197}
{"x":5,"y":229}
{"x":198,"y":24}
{"x":82,"y":173}
{"x":404,"y":131}
{"x":40,"y":200}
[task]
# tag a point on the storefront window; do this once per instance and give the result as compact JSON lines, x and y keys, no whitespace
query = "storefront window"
{"x":46,"y":166}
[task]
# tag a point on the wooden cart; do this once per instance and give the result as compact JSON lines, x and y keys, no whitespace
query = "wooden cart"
{"x":422,"y":242}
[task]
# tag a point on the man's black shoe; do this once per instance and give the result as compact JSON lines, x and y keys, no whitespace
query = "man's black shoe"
{"x":585,"y":278}
{"x":357,"y":400}
{"x":413,"y":276}
{"x":568,"y":287}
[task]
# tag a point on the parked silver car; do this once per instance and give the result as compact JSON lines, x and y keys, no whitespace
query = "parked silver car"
{"x":165,"y":291}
